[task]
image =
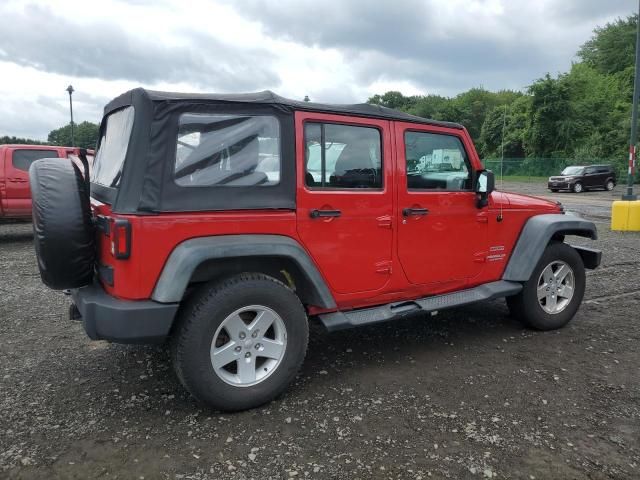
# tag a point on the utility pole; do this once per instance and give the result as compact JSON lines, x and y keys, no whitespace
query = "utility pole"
{"x":70,"y":90}
{"x":634,"y":121}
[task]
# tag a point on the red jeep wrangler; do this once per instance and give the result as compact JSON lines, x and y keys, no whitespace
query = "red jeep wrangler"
{"x":15,"y":160}
{"x":224,"y":222}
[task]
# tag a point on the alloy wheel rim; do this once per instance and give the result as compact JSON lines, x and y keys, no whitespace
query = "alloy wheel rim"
{"x":248,"y":346}
{"x":556,"y":286}
{"x":578,"y":187}
{"x":609,"y":186}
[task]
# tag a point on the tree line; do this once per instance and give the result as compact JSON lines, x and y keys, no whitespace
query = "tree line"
{"x":580,"y":115}
{"x":85,"y":135}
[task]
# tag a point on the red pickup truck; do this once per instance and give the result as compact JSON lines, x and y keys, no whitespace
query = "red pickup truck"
{"x":15,"y":160}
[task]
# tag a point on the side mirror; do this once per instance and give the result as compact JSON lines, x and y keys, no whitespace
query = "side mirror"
{"x":485,"y":184}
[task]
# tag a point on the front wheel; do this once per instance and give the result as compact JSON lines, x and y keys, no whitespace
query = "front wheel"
{"x":240,"y":342}
{"x":552,"y":296}
{"x":610,"y":185}
{"x":577,"y":187}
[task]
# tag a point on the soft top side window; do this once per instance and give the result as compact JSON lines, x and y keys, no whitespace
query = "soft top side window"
{"x":227,"y":150}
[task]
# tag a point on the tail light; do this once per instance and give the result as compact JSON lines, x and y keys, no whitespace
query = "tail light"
{"x":120,"y":238}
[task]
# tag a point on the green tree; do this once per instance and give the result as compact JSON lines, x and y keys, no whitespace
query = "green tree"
{"x":512,"y":118}
{"x":7,"y":140}
{"x":612,"y":47}
{"x":428,"y":106}
{"x":85,"y":135}
{"x":550,"y":123}
{"x":392,"y":99}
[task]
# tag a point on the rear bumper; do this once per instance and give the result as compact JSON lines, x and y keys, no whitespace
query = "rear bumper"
{"x":123,"y":321}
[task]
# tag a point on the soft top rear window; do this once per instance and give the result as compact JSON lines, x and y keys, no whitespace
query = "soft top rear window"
{"x":112,"y":149}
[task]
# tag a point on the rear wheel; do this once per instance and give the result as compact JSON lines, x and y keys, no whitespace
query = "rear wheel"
{"x":577,"y":187}
{"x":552,"y":296}
{"x":240,"y":342}
{"x":609,"y":185}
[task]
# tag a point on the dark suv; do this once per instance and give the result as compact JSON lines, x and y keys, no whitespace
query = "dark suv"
{"x":224,"y":223}
{"x":579,"y":178}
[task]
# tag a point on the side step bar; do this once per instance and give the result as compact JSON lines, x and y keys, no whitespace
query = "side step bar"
{"x":354,"y":318}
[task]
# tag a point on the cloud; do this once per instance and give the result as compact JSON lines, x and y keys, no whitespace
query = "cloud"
{"x":37,"y":37}
{"x":440,"y":45}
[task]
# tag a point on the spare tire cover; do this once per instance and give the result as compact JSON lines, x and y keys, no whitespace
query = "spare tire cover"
{"x":63,"y":229}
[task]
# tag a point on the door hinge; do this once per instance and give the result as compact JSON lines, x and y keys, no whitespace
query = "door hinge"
{"x":384,"y":221}
{"x":384,"y":267}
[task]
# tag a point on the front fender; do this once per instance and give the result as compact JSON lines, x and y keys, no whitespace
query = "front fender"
{"x":535,"y":237}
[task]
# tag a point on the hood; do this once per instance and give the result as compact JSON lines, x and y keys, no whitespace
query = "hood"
{"x":529,"y":202}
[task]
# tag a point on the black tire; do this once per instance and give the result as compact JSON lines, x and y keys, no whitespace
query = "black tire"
{"x":199,"y":320}
{"x":577,"y":188}
{"x":63,"y":230}
{"x":554,"y":190}
{"x":526,"y":307}
{"x":610,"y":185}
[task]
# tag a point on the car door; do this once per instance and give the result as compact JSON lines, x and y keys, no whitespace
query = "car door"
{"x":344,"y":200}
{"x":17,"y":163}
{"x":591,"y":177}
{"x":442,"y":235}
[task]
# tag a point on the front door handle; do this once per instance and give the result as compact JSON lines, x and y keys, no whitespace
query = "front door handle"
{"x":18,"y":180}
{"x":407,"y":212}
{"x":324,"y":213}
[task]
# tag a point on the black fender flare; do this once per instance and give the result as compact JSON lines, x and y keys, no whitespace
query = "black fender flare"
{"x":188,"y":255}
{"x":535,"y":237}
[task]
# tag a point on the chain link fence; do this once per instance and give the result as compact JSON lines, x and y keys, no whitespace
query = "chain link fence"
{"x":535,"y":169}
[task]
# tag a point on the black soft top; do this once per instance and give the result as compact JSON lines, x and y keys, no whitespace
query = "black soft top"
{"x":267,"y":97}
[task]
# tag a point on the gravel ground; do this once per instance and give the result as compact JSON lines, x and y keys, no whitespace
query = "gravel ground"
{"x":469,"y":393}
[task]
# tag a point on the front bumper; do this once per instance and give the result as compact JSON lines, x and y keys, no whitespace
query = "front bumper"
{"x":559,"y":185}
{"x":123,"y":321}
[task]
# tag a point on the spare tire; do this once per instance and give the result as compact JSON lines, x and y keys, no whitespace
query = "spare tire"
{"x":63,"y":229}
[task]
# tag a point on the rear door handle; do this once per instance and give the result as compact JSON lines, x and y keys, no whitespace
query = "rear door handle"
{"x":324,"y":213}
{"x":407,"y":212}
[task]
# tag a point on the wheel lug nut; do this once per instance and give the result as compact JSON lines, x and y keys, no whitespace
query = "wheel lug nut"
{"x":242,"y":335}
{"x":258,"y":346}
{"x":247,"y":355}
{"x":254,"y":334}
{"x":238,"y":348}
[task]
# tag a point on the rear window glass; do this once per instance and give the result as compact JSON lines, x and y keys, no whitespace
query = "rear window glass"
{"x":112,"y":149}
{"x":227,"y":150}
{"x":22,"y":159}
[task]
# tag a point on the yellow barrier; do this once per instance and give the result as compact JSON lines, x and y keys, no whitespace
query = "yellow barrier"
{"x":625,"y":216}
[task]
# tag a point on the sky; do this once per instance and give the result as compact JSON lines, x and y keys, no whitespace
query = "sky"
{"x":334,"y":51}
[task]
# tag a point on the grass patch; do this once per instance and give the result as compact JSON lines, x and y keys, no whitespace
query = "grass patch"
{"x":522,"y":178}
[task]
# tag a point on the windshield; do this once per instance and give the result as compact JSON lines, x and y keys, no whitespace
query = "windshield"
{"x":573,"y":171}
{"x":112,"y":149}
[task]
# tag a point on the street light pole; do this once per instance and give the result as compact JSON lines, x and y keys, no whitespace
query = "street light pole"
{"x":634,"y":121}
{"x":70,"y":90}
